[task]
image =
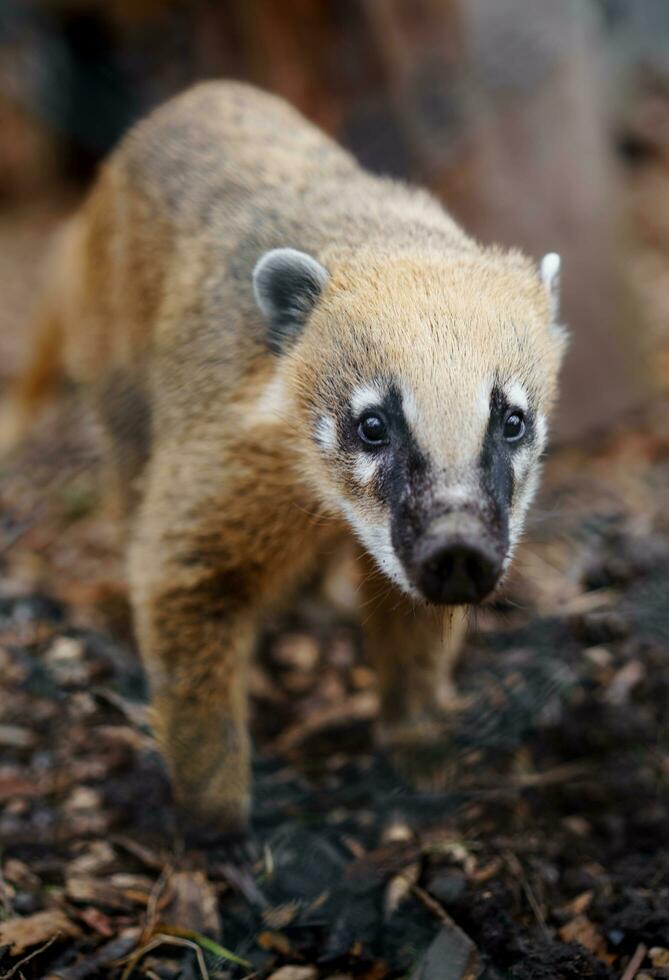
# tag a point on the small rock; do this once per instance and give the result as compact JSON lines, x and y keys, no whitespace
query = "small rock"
{"x":25,"y":903}
{"x":448,"y":886}
{"x":295,"y":973}
{"x":452,"y":956}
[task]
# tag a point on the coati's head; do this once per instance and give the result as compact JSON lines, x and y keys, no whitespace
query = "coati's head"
{"x":422,"y":388}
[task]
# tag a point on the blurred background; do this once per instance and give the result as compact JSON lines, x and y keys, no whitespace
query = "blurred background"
{"x":542,"y":124}
{"x":544,"y":831}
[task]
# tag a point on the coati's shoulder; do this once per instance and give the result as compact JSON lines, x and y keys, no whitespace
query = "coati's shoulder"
{"x":228,"y":152}
{"x":217,"y":133}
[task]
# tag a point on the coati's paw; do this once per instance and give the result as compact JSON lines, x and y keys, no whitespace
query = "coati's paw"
{"x":203,"y":830}
{"x":422,"y":751}
{"x":239,"y":848}
{"x":235,"y":856}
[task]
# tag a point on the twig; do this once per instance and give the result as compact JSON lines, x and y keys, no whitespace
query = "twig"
{"x":163,"y":940}
{"x":154,"y":897}
{"x":635,"y":962}
{"x":206,"y":943}
{"x":30,"y":956}
{"x":517,"y":870}
{"x":432,"y":905}
{"x":154,"y":861}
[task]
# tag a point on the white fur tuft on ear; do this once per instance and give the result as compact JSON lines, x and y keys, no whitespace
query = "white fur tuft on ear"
{"x":549,"y":270}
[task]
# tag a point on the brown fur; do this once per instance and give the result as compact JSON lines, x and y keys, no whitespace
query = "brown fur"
{"x":210,"y":435}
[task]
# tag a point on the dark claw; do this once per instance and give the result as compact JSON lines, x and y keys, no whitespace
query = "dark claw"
{"x":233,"y":856}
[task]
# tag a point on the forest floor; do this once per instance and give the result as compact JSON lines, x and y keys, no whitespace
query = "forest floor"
{"x":541,"y":852}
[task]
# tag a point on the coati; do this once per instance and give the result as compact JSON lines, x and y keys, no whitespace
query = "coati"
{"x":285,"y":351}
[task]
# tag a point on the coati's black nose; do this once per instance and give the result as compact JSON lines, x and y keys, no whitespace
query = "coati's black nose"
{"x":456,"y":574}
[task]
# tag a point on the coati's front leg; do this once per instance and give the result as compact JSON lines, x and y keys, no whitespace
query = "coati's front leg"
{"x":413,"y":647}
{"x":213,"y":546}
{"x":195,"y":630}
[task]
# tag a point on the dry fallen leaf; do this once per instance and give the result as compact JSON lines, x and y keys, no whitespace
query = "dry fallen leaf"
{"x":120,"y":892}
{"x":193,"y":903}
{"x":363,"y":706}
{"x":582,"y":931}
{"x":21,"y":933}
{"x":659,"y":956}
{"x":277,"y":942}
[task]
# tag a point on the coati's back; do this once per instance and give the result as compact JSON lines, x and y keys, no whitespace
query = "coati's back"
{"x":201,"y":188}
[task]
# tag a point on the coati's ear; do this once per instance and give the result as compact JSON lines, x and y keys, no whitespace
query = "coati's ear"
{"x":549,"y":269}
{"x":287,"y":284}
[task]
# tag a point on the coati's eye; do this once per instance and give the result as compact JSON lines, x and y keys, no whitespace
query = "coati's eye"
{"x":514,"y":426}
{"x":372,"y":429}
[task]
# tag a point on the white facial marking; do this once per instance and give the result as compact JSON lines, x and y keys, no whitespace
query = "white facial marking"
{"x":516,"y":396}
{"x":519,"y":510}
{"x":520,"y":462}
{"x":541,"y":430}
{"x":325,"y":433}
{"x":526,"y":470}
{"x":375,"y":537}
{"x":365,"y":468}
{"x":482,"y":406}
{"x":364,"y":397}
{"x":410,"y":407}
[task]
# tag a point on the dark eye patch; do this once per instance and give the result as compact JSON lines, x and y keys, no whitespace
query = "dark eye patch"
{"x":401,"y":458}
{"x":502,"y":412}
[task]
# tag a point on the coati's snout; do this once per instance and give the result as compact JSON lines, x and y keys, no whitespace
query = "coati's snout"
{"x":457,"y":561}
{"x":456,"y":574}
{"x":451,"y":536}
